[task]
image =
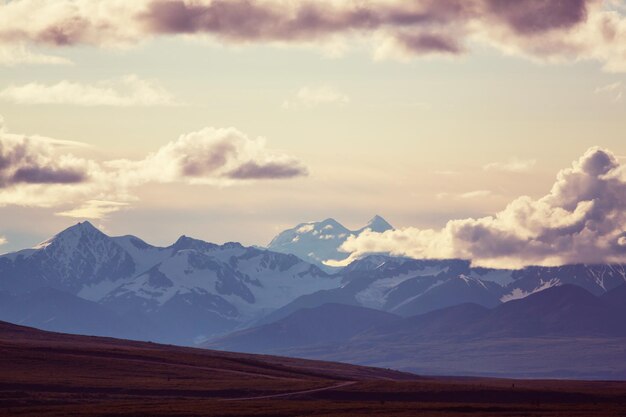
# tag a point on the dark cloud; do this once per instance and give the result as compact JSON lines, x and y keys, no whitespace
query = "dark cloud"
{"x":271,"y":170}
{"x":421,"y":26}
{"x":427,"y":43}
{"x":28,"y":161}
{"x":208,"y":160}
{"x":65,"y":32}
{"x":48,"y":175}
{"x":529,"y":17}
{"x":206,"y":157}
{"x":248,"y":20}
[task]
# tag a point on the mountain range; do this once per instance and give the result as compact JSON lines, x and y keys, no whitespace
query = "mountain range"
{"x":85,"y":282}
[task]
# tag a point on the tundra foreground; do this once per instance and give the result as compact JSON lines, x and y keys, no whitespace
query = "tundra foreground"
{"x":51,"y":374}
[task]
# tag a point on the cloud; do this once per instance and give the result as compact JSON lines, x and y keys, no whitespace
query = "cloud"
{"x":581,"y":220}
{"x":539,"y":29}
{"x":32,"y":160}
{"x":466,"y":196}
{"x":615,"y":89}
{"x":94,"y":209}
{"x":476,"y":194}
{"x":269,"y":170}
{"x":212,"y":156}
{"x":41,"y":172}
{"x":512,"y":165}
{"x":315,"y":96}
{"x":127,"y":91}
{"x":12,"y":55}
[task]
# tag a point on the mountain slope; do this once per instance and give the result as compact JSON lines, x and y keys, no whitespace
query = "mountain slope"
{"x":565,"y":310}
{"x":329,"y":323}
{"x":597,"y":279}
{"x":406,"y":286}
{"x":54,"y":310}
{"x":77,"y":257}
{"x":50,"y":375}
{"x":45,"y":373}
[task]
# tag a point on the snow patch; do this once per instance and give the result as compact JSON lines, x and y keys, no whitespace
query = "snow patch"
{"x":306,"y":228}
{"x":518,"y":293}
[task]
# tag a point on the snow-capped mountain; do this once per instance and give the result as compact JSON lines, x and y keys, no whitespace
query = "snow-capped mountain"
{"x":597,"y":279}
{"x":78,"y":257}
{"x":408,"y":287}
{"x":405,"y":286}
{"x":193,"y":288}
{"x":317,"y":242}
{"x":241,"y":283}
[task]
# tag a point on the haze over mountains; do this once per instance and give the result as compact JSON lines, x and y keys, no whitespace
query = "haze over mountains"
{"x":85,"y":282}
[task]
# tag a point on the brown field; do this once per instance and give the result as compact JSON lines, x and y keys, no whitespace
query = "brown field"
{"x":48,"y":374}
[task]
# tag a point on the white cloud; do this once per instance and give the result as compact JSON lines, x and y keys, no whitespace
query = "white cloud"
{"x":211,"y":156}
{"x":12,"y":55}
{"x":315,"y":96}
{"x":40,"y":172}
{"x":467,"y":195}
{"x":512,"y":165}
{"x":476,"y":194}
{"x":581,"y":220}
{"x":94,"y":209}
{"x":615,"y":90}
{"x":124,"y":92}
{"x":609,"y":87}
{"x":34,"y":160}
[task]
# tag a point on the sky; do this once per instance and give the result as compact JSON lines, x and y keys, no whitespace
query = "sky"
{"x":466,"y":124}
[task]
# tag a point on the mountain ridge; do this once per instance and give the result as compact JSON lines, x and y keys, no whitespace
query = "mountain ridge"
{"x":208,"y":287}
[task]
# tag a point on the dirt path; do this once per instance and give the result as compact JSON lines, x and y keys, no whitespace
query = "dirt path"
{"x":289,"y":394}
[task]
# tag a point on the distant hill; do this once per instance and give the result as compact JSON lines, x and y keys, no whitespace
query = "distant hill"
{"x":563,"y":331}
{"x":326,"y":324}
